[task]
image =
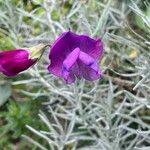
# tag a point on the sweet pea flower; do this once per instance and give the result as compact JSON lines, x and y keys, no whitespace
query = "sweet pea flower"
{"x":75,"y":56}
{"x":15,"y":61}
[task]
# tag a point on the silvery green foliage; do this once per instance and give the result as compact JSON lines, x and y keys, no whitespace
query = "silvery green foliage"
{"x":143,"y":63}
{"x":100,"y":115}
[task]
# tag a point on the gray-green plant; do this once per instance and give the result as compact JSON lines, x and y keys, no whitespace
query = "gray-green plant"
{"x":108,"y":114}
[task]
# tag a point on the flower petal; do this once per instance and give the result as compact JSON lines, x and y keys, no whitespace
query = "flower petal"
{"x":88,"y":67}
{"x":14,"y":61}
{"x":93,"y":47}
{"x":71,"y":59}
{"x":68,"y":63}
{"x":59,"y":51}
{"x":68,"y":76}
{"x":13,"y":54}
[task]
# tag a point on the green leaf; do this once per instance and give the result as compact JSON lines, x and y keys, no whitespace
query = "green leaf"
{"x":139,"y":21}
{"x":5,"y":92}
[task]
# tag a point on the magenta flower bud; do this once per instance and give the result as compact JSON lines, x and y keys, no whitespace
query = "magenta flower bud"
{"x":76,"y":56}
{"x":15,"y":61}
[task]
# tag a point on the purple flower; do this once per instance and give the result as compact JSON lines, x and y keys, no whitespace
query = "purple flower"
{"x":15,"y":61}
{"x":75,"y":55}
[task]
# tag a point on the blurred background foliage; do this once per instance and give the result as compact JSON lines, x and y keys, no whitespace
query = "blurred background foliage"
{"x":125,"y":63}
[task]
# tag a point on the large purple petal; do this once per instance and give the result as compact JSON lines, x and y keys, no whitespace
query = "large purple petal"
{"x":14,"y":61}
{"x":58,"y":53}
{"x":93,"y":47}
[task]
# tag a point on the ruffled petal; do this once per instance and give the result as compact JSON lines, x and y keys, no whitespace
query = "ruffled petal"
{"x":59,"y":51}
{"x":93,"y":47}
{"x":88,"y":67}
{"x":67,"y":69}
